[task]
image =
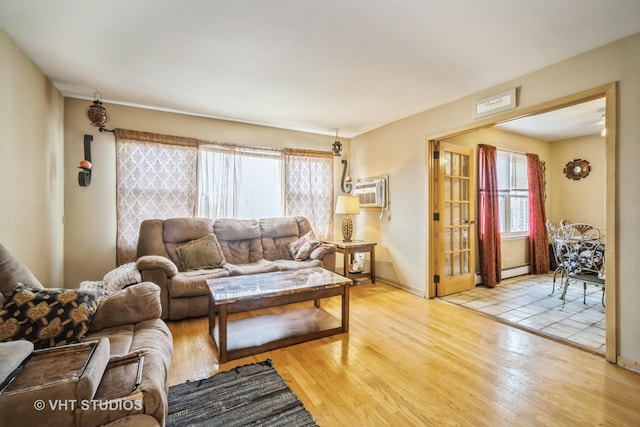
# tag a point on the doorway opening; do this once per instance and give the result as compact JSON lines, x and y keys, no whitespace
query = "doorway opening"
{"x":607,"y":204}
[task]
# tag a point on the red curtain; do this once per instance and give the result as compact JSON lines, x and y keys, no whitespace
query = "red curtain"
{"x":488,"y":215}
{"x":538,"y":239}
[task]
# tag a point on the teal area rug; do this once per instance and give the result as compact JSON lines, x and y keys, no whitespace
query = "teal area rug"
{"x":250,"y":395}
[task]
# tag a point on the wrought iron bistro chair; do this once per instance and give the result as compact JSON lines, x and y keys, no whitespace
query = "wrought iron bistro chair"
{"x":559,"y":249}
{"x":585,"y":258}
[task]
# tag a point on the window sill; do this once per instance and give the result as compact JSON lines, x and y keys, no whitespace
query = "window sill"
{"x":516,"y":237}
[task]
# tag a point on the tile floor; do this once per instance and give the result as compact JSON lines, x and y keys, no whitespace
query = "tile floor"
{"x":525,"y":301}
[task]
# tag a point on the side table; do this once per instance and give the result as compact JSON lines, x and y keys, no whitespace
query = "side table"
{"x":347,"y":249}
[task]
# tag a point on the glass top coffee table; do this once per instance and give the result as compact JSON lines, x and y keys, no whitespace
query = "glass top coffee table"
{"x":243,"y":337}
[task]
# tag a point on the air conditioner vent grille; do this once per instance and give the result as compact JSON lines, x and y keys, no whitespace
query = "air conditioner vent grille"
{"x":372,"y":192}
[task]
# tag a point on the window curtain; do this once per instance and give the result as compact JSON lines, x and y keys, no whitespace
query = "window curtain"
{"x":239,"y":182}
{"x":538,"y":239}
{"x":488,"y":216}
{"x":309,"y":188}
{"x":216,"y":183}
{"x":155,"y":178}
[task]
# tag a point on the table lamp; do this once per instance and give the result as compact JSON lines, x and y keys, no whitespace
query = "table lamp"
{"x":347,"y":205}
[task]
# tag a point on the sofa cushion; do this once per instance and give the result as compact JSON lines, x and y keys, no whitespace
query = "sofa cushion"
{"x":13,"y":271}
{"x":262,"y":266}
{"x":177,"y":231}
{"x":193,"y":283}
{"x":302,"y":248}
{"x":132,"y":304}
{"x":279,"y":227}
{"x":201,"y":254}
{"x":47,"y":317}
{"x":242,"y":251}
{"x":150,"y":239}
{"x":279,"y":233}
{"x":275,"y":248}
{"x":11,"y":355}
{"x":288,"y":264}
{"x":239,"y":240}
{"x":236,"y":229}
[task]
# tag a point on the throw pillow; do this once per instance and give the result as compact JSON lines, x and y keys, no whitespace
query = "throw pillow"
{"x":203,"y":253}
{"x":302,"y":248}
{"x":47,"y":317}
{"x":124,"y":275}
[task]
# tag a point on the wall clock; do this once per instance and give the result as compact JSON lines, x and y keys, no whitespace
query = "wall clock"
{"x":577,"y":169}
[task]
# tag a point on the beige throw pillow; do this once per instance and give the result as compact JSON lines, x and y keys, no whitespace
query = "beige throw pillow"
{"x":203,"y":253}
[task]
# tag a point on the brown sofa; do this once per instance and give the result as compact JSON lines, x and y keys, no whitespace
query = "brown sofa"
{"x":125,"y":322}
{"x":249,"y":246}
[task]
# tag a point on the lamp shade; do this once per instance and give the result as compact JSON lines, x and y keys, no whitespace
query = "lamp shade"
{"x":349,"y":205}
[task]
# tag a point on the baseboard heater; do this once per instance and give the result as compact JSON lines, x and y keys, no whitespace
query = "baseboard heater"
{"x":509,"y":272}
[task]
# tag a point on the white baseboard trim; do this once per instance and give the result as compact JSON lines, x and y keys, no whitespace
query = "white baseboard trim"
{"x":629,"y":364}
{"x":509,"y":272}
{"x":516,"y":271}
{"x":415,"y":291}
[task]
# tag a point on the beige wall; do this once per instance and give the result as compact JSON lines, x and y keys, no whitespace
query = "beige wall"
{"x":90,"y":212}
{"x":31,"y":161}
{"x":582,"y":200}
{"x":400,"y":150}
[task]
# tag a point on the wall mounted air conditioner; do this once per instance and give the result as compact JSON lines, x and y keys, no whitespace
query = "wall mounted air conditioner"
{"x":372,"y":192}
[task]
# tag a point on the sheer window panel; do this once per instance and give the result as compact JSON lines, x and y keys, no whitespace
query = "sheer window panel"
{"x":239,"y":182}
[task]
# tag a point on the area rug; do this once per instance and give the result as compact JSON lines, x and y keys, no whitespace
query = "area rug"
{"x":250,"y":395}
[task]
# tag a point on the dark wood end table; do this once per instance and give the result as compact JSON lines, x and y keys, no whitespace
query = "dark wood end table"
{"x":347,"y":249}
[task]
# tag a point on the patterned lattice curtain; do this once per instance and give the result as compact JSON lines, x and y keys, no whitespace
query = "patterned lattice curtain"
{"x":309,"y":188}
{"x":156,"y":178}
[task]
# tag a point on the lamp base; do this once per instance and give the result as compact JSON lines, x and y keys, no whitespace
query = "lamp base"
{"x":347,"y":228}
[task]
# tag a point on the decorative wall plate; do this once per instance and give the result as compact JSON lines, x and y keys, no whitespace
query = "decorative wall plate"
{"x":577,"y":169}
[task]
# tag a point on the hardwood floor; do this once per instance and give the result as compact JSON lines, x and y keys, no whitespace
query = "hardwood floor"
{"x":412,"y":361}
{"x":526,"y":302}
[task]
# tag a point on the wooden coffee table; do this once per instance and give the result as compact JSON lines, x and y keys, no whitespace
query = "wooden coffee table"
{"x":243,"y":337}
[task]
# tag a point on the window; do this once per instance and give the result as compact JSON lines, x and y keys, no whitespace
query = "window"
{"x":513,"y":188}
{"x":236,"y":182}
{"x":243,"y":182}
{"x":163,"y":176}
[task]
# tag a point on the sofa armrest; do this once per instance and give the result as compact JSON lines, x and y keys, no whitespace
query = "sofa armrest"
{"x":322,"y":250}
{"x":159,"y":270}
{"x":156,"y":262}
{"x":326,"y":253}
{"x":130,"y":305}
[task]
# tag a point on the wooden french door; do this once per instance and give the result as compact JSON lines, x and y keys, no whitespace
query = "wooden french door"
{"x":454,"y":219}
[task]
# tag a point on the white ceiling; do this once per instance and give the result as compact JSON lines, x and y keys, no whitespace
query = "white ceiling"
{"x":582,"y":119}
{"x":317,"y":66}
